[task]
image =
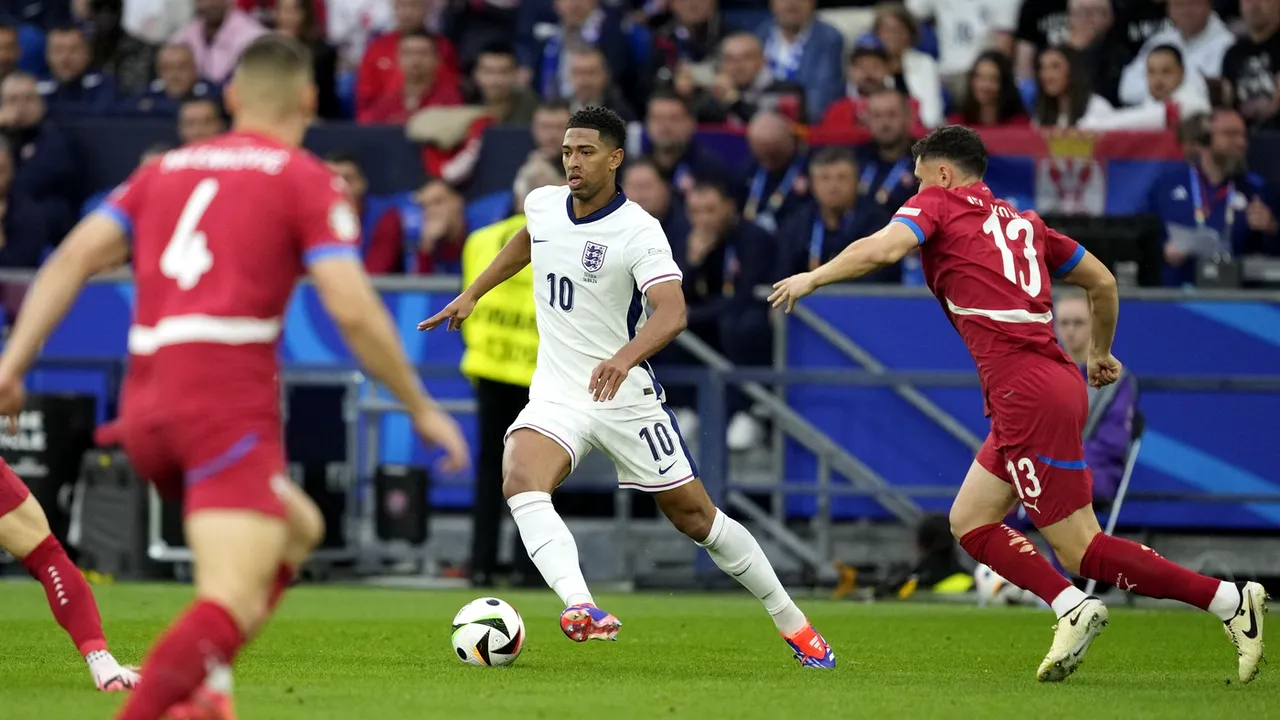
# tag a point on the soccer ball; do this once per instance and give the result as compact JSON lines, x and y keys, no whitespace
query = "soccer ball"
{"x":488,"y":632}
{"x":995,"y":590}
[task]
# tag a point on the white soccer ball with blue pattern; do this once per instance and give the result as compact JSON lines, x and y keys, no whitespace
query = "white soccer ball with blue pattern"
{"x":488,"y":632}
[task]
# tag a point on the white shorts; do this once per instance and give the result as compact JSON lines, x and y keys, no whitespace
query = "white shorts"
{"x":643,"y":441}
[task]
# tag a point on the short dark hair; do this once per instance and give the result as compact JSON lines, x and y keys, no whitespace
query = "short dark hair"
{"x":68,"y":29}
{"x":955,"y":143}
{"x":204,"y":100}
{"x":712,"y":185}
{"x":665,"y":94}
{"x":833,"y":155}
{"x":418,"y":33}
{"x":1171,"y":49}
{"x":342,"y":157}
{"x":498,"y":47}
{"x":554,"y":105}
{"x":604,"y":121}
{"x":642,"y":161}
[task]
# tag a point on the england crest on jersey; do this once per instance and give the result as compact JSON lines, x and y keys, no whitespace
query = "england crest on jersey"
{"x":593,"y":256}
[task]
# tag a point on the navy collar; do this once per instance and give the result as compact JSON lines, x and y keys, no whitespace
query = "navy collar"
{"x":600,"y":214}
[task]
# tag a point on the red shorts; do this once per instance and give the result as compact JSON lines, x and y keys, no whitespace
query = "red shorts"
{"x":210,"y":463}
{"x":13,"y":492}
{"x":1035,"y":444}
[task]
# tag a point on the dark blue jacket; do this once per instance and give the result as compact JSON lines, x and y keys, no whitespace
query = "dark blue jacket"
{"x":822,"y":67}
{"x":156,"y":102}
{"x":46,"y":173}
{"x":697,"y":163}
{"x":26,"y":235}
{"x":1173,"y":196}
{"x":805,"y":242}
{"x":883,"y":186}
{"x":94,"y":94}
{"x":778,"y":194}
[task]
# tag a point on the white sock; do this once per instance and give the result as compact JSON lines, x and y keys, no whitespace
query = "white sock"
{"x":1067,"y":600}
{"x":1226,"y":601}
{"x":550,"y":545}
{"x":737,"y":553}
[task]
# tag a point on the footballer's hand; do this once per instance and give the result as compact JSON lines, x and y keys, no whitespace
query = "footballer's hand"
{"x":789,"y":291}
{"x":438,"y":428}
{"x":1103,"y":370}
{"x":607,"y":378}
{"x":455,"y":313}
{"x":13,"y":397}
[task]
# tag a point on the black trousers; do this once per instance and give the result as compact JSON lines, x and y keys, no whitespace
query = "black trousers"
{"x":497,"y":405}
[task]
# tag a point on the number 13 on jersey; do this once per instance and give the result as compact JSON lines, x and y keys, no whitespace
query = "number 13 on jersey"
{"x":1018,"y":228}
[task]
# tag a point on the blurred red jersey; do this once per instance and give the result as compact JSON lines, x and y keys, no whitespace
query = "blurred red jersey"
{"x":990,"y":268}
{"x":221,"y":230}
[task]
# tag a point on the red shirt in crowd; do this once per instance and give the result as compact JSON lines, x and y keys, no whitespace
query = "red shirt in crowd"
{"x":391,"y":108}
{"x":851,"y":112}
{"x":380,"y":68}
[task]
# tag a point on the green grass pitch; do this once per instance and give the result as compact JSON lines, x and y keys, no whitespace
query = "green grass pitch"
{"x":354,"y":653}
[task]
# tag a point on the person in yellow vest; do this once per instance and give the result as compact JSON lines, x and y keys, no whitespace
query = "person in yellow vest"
{"x":501,"y":339}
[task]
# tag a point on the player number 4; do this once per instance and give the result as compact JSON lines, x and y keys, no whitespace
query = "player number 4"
{"x":1029,"y":485}
{"x":187,"y":258}
{"x":1017,"y":229}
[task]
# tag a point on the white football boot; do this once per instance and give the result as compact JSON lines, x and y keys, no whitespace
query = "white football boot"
{"x":1245,"y":628}
{"x":1072,"y":637}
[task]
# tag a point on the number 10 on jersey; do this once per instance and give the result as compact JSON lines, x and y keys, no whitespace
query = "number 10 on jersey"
{"x":559,"y":292}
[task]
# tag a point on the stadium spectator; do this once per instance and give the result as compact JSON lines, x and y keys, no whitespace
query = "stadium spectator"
{"x":23,"y":231}
{"x":991,"y":98}
{"x":10,"y":49}
{"x":299,"y":20}
{"x":584,"y":24}
{"x":128,"y":61}
{"x":501,"y":339}
{"x":965,"y":30}
{"x":693,"y":84}
{"x":668,"y":130}
{"x":1109,"y":426}
{"x":478,"y":24}
{"x":1197,"y":31}
{"x":887,"y":168}
{"x":591,"y":84}
{"x":744,"y":85}
{"x":421,"y":84}
{"x":382,"y":232}
{"x":868,"y":74}
{"x":1213,"y":206}
{"x":73,"y":88}
{"x":444,"y":229}
{"x":1139,"y":20}
{"x":1251,"y":65}
{"x":350,"y":24}
{"x":690,"y":36}
{"x":176,"y":82}
{"x":217,"y":36}
{"x":1064,"y":96}
{"x":46,"y":167}
{"x":833,"y":221}
{"x":267,"y":12}
{"x":548,"y":127}
{"x":802,"y":49}
{"x":913,"y":72}
{"x":505,"y":102}
{"x":643,"y":184}
{"x":200,"y":119}
{"x":1091,"y":31}
{"x":1169,"y":82}
{"x":776,"y":183}
{"x":380,"y":71}
{"x":155,"y":22}
{"x":1041,"y":24}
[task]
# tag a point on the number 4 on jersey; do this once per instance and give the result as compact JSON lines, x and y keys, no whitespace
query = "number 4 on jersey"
{"x":1018,"y":228}
{"x":187,"y":258}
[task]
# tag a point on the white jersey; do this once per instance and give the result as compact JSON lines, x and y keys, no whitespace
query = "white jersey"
{"x":590,"y":276}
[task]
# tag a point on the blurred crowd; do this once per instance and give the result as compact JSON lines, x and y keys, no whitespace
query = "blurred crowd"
{"x":445,"y":70}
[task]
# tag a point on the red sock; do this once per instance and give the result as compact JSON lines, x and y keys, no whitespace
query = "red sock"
{"x":1015,"y":559}
{"x":69,"y":595}
{"x":206,"y":634}
{"x":1139,"y":569}
{"x":284,"y":578}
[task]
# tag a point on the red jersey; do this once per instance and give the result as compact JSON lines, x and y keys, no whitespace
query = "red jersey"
{"x":221,"y":230}
{"x":990,"y":268}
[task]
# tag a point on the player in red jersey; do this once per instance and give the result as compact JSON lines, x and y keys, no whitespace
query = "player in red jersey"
{"x":989,"y":266}
{"x":25,"y":534}
{"x":220,"y":230}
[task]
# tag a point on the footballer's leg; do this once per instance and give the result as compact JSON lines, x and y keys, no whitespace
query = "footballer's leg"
{"x":25,"y":534}
{"x":977,"y":520}
{"x":1087,"y":551}
{"x":542,"y":448}
{"x":737,"y":553}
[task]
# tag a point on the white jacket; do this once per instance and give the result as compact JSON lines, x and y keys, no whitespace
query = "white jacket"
{"x":920,"y":71}
{"x":1202,"y":54}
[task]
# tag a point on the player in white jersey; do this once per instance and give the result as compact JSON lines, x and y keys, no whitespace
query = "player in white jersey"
{"x":598,"y":261}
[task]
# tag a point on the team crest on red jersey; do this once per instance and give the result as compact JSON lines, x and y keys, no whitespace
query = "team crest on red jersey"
{"x":593,"y":256}
{"x":343,"y":222}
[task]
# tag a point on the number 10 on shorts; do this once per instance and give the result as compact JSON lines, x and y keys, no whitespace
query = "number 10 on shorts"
{"x":1032,"y":488}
